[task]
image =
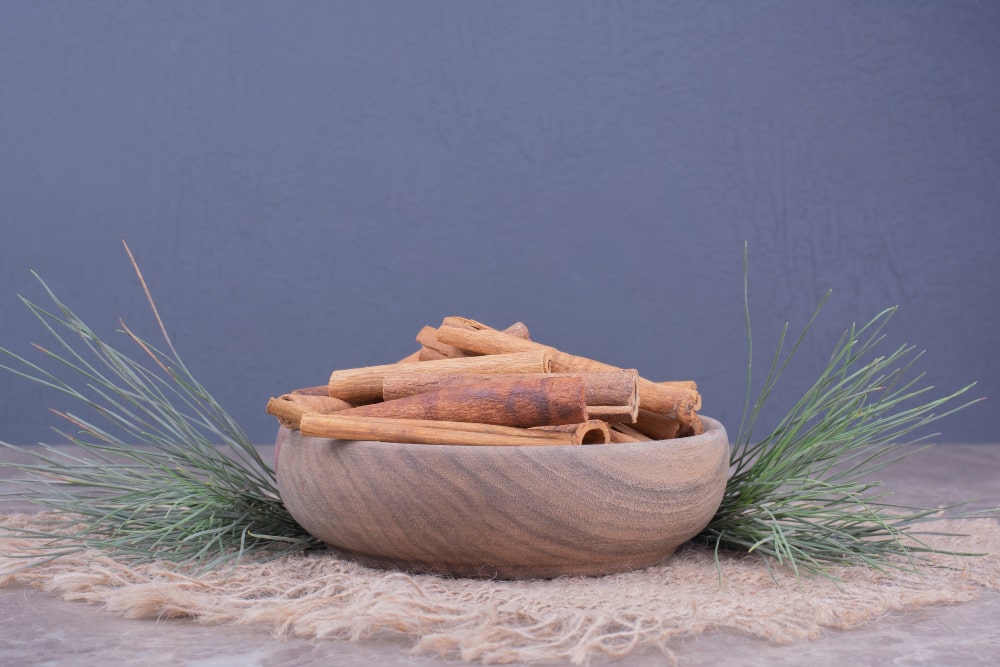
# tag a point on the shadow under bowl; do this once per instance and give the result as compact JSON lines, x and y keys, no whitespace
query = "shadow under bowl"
{"x":507,"y":512}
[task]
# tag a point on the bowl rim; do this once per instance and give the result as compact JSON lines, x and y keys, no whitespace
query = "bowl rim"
{"x":713,"y":428}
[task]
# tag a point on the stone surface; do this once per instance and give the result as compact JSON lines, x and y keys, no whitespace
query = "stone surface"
{"x":38,"y":629}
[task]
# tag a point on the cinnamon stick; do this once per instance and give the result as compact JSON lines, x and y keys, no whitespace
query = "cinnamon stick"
{"x":618,"y":388}
{"x":289,"y":408}
{"x":411,"y":358}
{"x":610,"y":395}
{"x":694,"y":428}
{"x":519,"y":329}
{"x":347,"y":427}
{"x":625,"y":433}
{"x":407,"y":382}
{"x":364,"y":385}
{"x":478,"y":338}
{"x":427,"y":337}
{"x":677,"y":402}
{"x":657,"y":426}
{"x":289,"y":414}
{"x":324,"y":405}
{"x":430,"y":354}
{"x":432,"y":348}
{"x":614,"y":413}
{"x":590,"y":432}
{"x":518,"y":400}
{"x":310,"y":391}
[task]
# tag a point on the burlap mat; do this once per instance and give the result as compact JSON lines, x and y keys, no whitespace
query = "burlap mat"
{"x":529,"y":621}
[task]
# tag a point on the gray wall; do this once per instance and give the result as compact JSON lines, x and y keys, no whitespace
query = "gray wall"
{"x":306,"y":184}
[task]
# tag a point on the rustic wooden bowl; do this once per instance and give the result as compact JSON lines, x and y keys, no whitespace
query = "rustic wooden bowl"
{"x":507,"y":512}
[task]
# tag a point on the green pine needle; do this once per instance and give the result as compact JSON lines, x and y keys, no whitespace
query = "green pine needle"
{"x":178,"y":497}
{"x":801,"y":494}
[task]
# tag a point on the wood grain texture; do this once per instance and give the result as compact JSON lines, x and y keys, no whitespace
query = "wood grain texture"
{"x":508,"y":512}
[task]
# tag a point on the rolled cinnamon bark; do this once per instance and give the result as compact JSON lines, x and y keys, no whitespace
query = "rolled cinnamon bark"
{"x":364,"y":385}
{"x":430,"y":354}
{"x":407,"y":382}
{"x":611,"y":388}
{"x":694,"y":428}
{"x":289,"y":408}
{"x":518,"y":329}
{"x":427,"y":337}
{"x":321,"y":390}
{"x":610,"y":395}
{"x":478,"y":338}
{"x":346,"y":427}
{"x":288,"y":413}
{"x":625,"y":433}
{"x":614,"y":413}
{"x":524,"y":401}
{"x":324,"y":405}
{"x":590,"y":432}
{"x":657,"y":426}
{"x":432,"y":348}
{"x":618,"y":387}
{"x":411,"y":358}
{"x":677,"y":402}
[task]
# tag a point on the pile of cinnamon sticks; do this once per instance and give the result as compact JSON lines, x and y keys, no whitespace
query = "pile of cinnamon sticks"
{"x":470,"y":384}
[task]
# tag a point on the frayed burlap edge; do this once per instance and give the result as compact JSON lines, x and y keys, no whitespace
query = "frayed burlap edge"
{"x":570,"y":619}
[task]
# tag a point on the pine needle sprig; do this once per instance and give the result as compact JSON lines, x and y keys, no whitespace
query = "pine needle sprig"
{"x":803,"y":495}
{"x":194,"y":489}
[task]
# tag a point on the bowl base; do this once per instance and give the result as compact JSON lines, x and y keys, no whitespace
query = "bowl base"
{"x":467,"y":570}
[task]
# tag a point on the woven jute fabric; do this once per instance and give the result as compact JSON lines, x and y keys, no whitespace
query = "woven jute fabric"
{"x":570,"y":619}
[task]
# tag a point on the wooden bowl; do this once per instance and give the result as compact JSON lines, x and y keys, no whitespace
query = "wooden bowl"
{"x":507,"y":512}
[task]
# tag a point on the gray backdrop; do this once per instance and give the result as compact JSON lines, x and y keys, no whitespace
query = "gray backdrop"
{"x":306,"y":184}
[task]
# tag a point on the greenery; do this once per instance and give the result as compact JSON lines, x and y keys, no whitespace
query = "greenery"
{"x":802,"y":494}
{"x":179,"y":497}
{"x":805,"y":494}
